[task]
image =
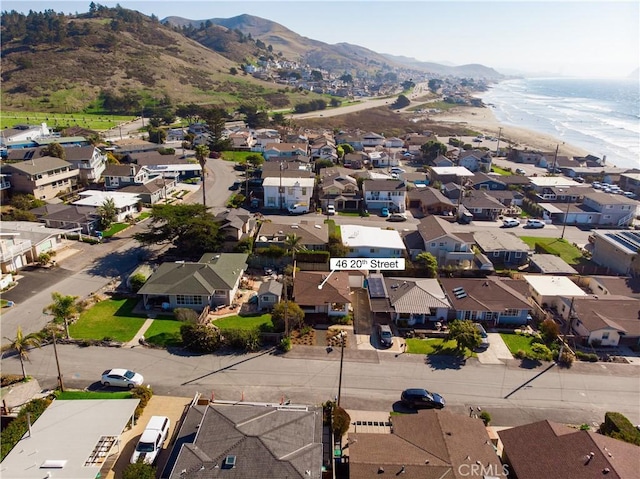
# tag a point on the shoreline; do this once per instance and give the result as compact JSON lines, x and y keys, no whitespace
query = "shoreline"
{"x":483,"y":119}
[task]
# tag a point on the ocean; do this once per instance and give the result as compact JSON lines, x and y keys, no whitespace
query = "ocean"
{"x":599,"y":116}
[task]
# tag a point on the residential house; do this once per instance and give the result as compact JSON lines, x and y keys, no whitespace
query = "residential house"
{"x":119,"y":176}
{"x":449,"y":249}
{"x":350,"y":139}
{"x":550,"y":264}
{"x":21,"y":136}
{"x":530,"y":157}
{"x":539,"y":183}
{"x":212,"y":281}
{"x":339,"y":190}
{"x":313,"y":236}
{"x":89,"y":160}
{"x":475,"y":160}
{"x":235,"y":224}
{"x":167,"y":166}
{"x":92,"y":430}
{"x":263,"y":137}
{"x":426,"y":445}
{"x":372,"y":242}
{"x":133,"y":145}
{"x":568,"y":453}
{"x":630,"y":182}
{"x":322,"y":292}
{"x":283,"y":192}
{"x":286,"y":169}
{"x":442,"y":162}
{"x":547,"y":290}
{"x":503,"y":248}
{"x":615,"y":210}
{"x":391,"y":194}
{"x":127,"y":204}
{"x":481,"y":205}
{"x":78,"y":219}
{"x":152,"y":191}
{"x":285,"y":150}
{"x":21,"y":242}
{"x":269,"y":294}
{"x":449,"y":174}
{"x":492,"y":301}
{"x":381,"y":159}
{"x":356,"y":160}
{"x":408,"y":301}
{"x":563,"y":194}
{"x":429,"y":201}
{"x":417,"y":179}
{"x":242,"y":140}
{"x":5,"y":186}
{"x":483,"y":181}
{"x":618,"y":251}
{"x":623,"y":286}
{"x":323,"y":149}
{"x":259,"y":441}
{"x":45,"y":177}
{"x":393,"y":142}
{"x":607,"y":320}
{"x":371,"y":140}
{"x":509,"y":198}
{"x":175,"y":134}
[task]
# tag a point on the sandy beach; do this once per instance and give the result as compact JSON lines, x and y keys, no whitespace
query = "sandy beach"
{"x":483,"y":120}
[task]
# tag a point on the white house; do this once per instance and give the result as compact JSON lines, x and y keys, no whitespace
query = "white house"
{"x":372,"y":242}
{"x":548,"y":290}
{"x":385,"y":193}
{"x":125,"y":203}
{"x":285,"y":192}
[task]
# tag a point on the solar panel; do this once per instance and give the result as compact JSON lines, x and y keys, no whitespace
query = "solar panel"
{"x":376,"y":288}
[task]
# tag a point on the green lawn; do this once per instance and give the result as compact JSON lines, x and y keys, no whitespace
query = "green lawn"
{"x":431,"y":346}
{"x":4,"y":303}
{"x":111,"y":318}
{"x":348,"y":213}
{"x":500,"y":171}
{"x":566,"y":250}
{"x":515,"y":342}
{"x":115,"y":228}
{"x":70,"y":395}
{"x":236,"y":155}
{"x":144,"y":215}
{"x":164,"y":332}
{"x":243,"y":322}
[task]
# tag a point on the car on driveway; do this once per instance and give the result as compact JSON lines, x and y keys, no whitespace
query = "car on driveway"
{"x":534,"y":224}
{"x":151,"y":441}
{"x":483,"y":334}
{"x":421,"y":399}
{"x":397,"y":217}
{"x":386,"y":335}
{"x":510,"y":223}
{"x":384,"y":212}
{"x":122,"y":378}
{"x":331,"y":210}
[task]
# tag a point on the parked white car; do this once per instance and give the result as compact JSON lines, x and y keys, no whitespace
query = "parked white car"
{"x":532,"y":223}
{"x":510,"y":223}
{"x":151,"y":441}
{"x":122,"y":378}
{"x":331,"y":210}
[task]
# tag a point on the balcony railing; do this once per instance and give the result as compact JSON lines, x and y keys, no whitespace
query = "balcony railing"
{"x":9,"y":252}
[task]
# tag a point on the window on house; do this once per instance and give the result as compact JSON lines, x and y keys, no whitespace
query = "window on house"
{"x":511,"y":312}
{"x":496,"y":254}
{"x":372,"y":250}
{"x":188,"y":299}
{"x":518,"y":254}
{"x":605,"y":335}
{"x":442,"y":243}
{"x":304,"y":191}
{"x":433,"y":245}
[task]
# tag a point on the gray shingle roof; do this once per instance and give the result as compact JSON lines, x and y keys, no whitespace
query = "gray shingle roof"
{"x":40,"y":165}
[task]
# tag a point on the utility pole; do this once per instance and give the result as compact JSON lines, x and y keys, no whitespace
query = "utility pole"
{"x":342,"y":338}
{"x":555,"y":159}
{"x":498,"y":144}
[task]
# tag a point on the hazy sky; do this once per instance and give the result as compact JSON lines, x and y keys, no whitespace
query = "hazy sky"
{"x":575,"y":38}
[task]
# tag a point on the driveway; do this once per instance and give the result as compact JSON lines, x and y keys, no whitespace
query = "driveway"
{"x":362,"y":317}
{"x":497,"y":352}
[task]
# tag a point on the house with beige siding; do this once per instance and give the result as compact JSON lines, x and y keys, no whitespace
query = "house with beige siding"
{"x":44,"y":177}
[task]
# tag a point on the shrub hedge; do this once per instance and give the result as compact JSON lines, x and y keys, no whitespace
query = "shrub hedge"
{"x":617,"y":425}
{"x":20,"y":425}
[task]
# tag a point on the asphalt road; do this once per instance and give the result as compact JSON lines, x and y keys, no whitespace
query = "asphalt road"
{"x":512,"y":394}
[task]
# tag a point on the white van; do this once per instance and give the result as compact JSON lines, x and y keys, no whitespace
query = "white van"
{"x":299,"y":208}
{"x":151,"y":441}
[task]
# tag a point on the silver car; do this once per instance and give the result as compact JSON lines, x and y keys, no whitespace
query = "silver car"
{"x":122,"y":378}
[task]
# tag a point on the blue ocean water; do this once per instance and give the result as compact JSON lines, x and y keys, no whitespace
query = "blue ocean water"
{"x":599,"y":116}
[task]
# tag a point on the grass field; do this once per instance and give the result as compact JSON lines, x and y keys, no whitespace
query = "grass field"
{"x":164,"y":332}
{"x":71,"y":395}
{"x":566,"y":250}
{"x":500,"y":171}
{"x":243,"y":322}
{"x":8,"y":119}
{"x":515,"y":342}
{"x":236,"y":156}
{"x":111,"y":318}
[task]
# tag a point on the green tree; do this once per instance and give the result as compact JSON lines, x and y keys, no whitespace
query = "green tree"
{"x":21,"y":345}
{"x":108,"y":213}
{"x":25,"y":202}
{"x":432,"y":148}
{"x":255,"y":160}
{"x":293,"y":244}
{"x":347,"y":148}
{"x":202,"y":153}
{"x":54,"y":149}
{"x":336,"y":247}
{"x":200,"y":338}
{"x":549,"y":330}
{"x":190,"y":227}
{"x":465,"y":334}
{"x":137,"y":281}
{"x":429,"y":263}
{"x":287,"y":315}
{"x":63,"y":309}
{"x":139,"y":470}
{"x":401,"y":102}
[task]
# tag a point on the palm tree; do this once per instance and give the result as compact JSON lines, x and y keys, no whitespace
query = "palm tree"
{"x":202,"y":153}
{"x":63,"y":308}
{"x":108,"y":213}
{"x":21,"y":345}
{"x":292,"y":242}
